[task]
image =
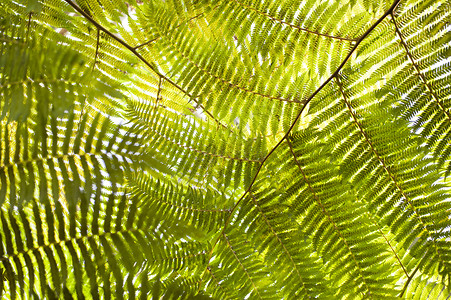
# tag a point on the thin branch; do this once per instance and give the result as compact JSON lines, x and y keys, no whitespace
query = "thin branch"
{"x":158,"y":92}
{"x":120,"y":41}
{"x":97,"y":49}
{"x":389,"y":244}
{"x":215,"y":279}
{"x":146,"y":43}
{"x":228,"y":82}
{"x":28,"y":25}
{"x":411,"y":277}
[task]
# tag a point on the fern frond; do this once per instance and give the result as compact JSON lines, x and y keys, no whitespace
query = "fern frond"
{"x":183,"y":204}
{"x":209,"y":154}
{"x":115,"y":250}
{"x":224,"y":149}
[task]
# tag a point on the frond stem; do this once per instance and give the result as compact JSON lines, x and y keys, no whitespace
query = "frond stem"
{"x":28,"y":25}
{"x":241,"y":264}
{"x":389,"y":244}
{"x":215,"y":279}
{"x":158,"y":92}
{"x":409,"y":279}
{"x":97,"y":49}
{"x":146,"y":43}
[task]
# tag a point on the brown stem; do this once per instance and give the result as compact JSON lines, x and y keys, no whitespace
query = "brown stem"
{"x":97,"y":49}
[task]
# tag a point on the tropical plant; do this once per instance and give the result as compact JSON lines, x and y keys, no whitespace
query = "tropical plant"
{"x":227,"y":149}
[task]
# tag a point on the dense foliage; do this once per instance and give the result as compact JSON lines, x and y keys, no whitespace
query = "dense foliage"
{"x":225,"y":149}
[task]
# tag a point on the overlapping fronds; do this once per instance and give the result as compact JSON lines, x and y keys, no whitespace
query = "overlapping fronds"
{"x":215,"y":156}
{"x":232,"y":149}
{"x":172,"y":202}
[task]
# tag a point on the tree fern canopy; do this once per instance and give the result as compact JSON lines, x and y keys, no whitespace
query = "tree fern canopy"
{"x":232,"y":149}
